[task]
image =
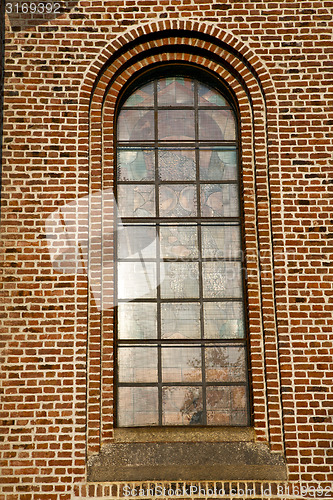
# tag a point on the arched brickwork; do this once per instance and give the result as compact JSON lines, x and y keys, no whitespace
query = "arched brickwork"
{"x":233,"y":63}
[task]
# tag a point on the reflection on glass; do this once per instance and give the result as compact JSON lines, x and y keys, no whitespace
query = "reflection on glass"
{"x":226,"y":406}
{"x":180,"y":321}
{"x":209,"y":97}
{"x":217,"y":125}
{"x":218,"y":164}
{"x":176,"y":124}
{"x":144,"y":96}
{"x":136,"y":164}
{"x":137,"y":321}
{"x":176,"y":165}
{"x":219,"y":200}
{"x":182,"y":406}
{"x":224,"y":320}
{"x":222,"y":279}
{"x":137,"y":406}
{"x":137,"y":364}
{"x":225,"y":364}
{"x":136,"y":242}
{"x":181,"y":280}
{"x":136,"y":125}
{"x":181,"y":364}
{"x":175,"y":91}
{"x":221,"y":241}
{"x":136,"y":200}
{"x":136,"y":279}
{"x":178,"y":241}
{"x":178,"y":200}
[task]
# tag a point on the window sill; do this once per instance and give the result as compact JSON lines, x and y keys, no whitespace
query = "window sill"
{"x":186,"y":455}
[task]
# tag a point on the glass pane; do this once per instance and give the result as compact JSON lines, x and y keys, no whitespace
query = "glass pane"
{"x":178,"y":200}
{"x":181,"y":280}
{"x":180,"y":321}
{"x":175,"y":91}
{"x":222,"y":279}
{"x":136,"y":200}
{"x":137,"y":364}
{"x":176,"y":165}
{"x":137,"y":406}
{"x":224,"y":320}
{"x":137,"y":321}
{"x":219,"y":200}
{"x":182,"y":406}
{"x":178,"y":241}
{"x":225,"y":364}
{"x":226,"y":406}
{"x":136,"y":125}
{"x":218,"y":164}
{"x":221,"y":241}
{"x":136,"y":164}
{"x":181,"y":364}
{"x":176,"y":124}
{"x":217,"y":125}
{"x":209,"y":97}
{"x":136,"y":280}
{"x":136,"y":242}
{"x":144,"y":96}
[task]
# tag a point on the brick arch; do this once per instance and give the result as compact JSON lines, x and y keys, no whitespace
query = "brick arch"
{"x":254,"y":96}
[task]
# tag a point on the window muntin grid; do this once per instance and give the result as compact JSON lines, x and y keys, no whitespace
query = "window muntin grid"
{"x":181,"y":344}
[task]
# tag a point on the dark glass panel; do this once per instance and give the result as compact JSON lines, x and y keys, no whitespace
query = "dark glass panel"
{"x":136,"y":125}
{"x":137,"y":406}
{"x":176,"y":165}
{"x":176,"y":125}
{"x":225,"y":364}
{"x":226,"y":406}
{"x":182,"y":406}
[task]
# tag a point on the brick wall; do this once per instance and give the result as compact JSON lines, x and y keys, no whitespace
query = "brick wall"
{"x":61,"y":68}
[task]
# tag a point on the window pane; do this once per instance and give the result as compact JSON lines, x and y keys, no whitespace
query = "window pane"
{"x":136,"y":164}
{"x":181,"y":364}
{"x":182,"y":406}
{"x":176,"y":124}
{"x":144,"y":96}
{"x":179,"y":241}
{"x":219,"y":200}
{"x":137,"y":364}
{"x":222,"y":279}
{"x":225,"y":364}
{"x":218,"y":164}
{"x":181,"y":280}
{"x":136,"y":242}
{"x":136,"y":200}
{"x":178,"y":200}
{"x":136,"y":125}
{"x":180,"y":321}
{"x":137,"y":406}
{"x":175,"y":91}
{"x":217,"y":125}
{"x":210,"y":97}
{"x":224,"y":320}
{"x":136,"y":280}
{"x":221,"y":241}
{"x":226,"y":406}
{"x":176,"y":165}
{"x":137,"y":321}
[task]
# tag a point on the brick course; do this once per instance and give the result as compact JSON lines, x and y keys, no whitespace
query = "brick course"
{"x":63,"y":75}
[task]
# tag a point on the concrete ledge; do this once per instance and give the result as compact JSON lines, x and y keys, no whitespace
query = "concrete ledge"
{"x":187,"y":462}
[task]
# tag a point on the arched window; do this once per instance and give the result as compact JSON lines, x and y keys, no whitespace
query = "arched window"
{"x":181,"y":336}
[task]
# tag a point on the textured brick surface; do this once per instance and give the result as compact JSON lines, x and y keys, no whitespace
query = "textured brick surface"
{"x":63,"y":73}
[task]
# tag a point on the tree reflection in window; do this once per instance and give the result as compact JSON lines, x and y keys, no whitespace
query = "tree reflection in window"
{"x":181,"y":346}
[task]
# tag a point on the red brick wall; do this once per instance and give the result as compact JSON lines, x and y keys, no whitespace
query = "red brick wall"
{"x":56,"y":345}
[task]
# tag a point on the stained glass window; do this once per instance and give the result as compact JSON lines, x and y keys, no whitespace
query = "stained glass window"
{"x":181,"y":343}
